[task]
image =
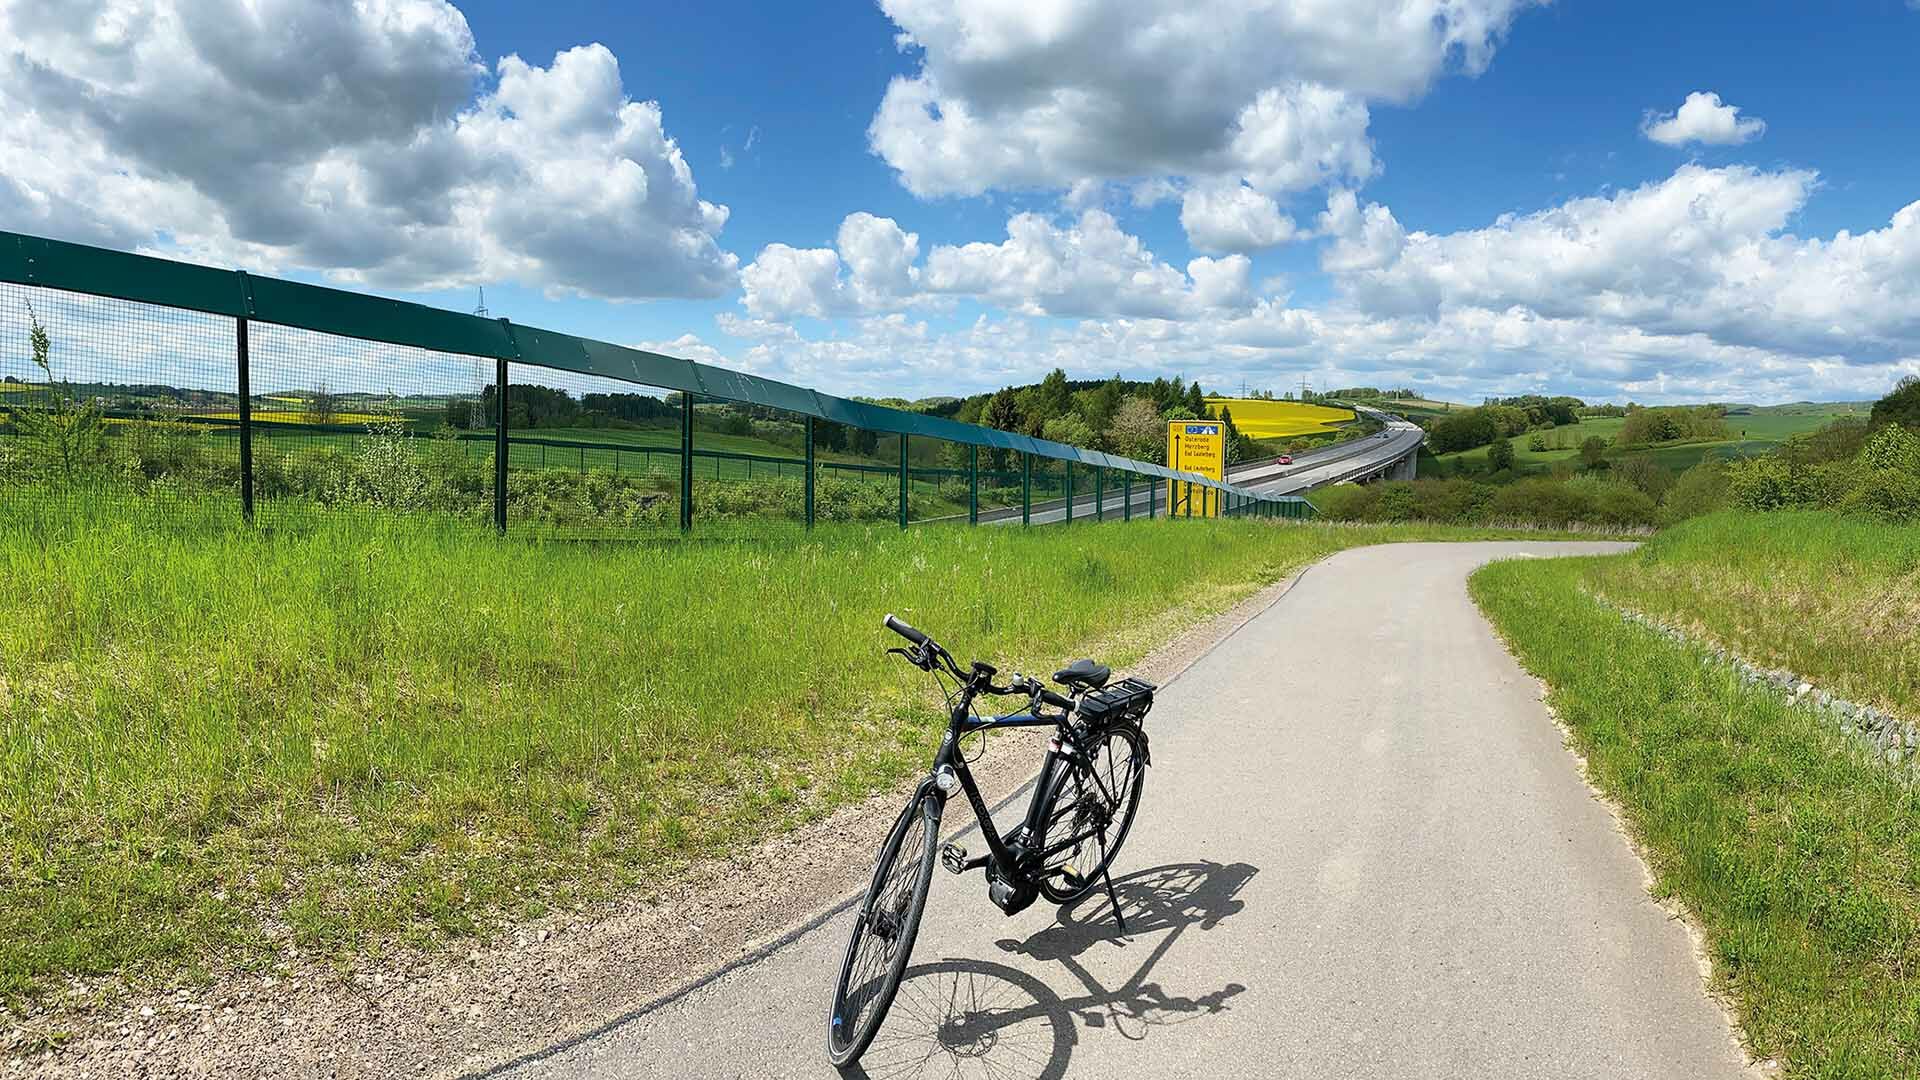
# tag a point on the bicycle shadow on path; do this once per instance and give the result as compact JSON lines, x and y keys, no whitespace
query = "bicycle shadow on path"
{"x":962,"y":1018}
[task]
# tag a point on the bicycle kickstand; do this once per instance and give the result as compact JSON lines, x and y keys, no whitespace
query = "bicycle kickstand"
{"x":1106,"y":871}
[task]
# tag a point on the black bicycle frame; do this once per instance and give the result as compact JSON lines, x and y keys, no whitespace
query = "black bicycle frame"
{"x":963,"y":723}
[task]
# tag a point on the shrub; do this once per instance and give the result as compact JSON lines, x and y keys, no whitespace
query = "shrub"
{"x":1702,"y":489}
{"x":1669,"y":424}
{"x":1500,"y":454}
{"x":1651,"y":477}
{"x":1901,"y":407}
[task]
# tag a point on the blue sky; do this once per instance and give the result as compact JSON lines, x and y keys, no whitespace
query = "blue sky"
{"x":1619,"y":200}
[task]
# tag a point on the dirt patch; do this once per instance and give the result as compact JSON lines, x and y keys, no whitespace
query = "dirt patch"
{"x":450,"y":1014}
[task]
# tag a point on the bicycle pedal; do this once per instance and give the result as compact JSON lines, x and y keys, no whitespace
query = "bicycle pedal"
{"x":954,"y":858}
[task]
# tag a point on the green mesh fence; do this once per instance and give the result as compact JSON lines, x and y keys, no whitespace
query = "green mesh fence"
{"x":209,"y":394}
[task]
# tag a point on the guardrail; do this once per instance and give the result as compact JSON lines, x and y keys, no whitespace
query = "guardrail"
{"x":169,"y":345}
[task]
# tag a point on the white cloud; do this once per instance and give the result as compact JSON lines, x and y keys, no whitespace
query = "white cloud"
{"x":1703,"y":251}
{"x":1702,"y":119}
{"x":347,"y":139}
{"x":1362,"y":239}
{"x":871,"y":268}
{"x":1044,"y":95}
{"x":1090,"y":267}
{"x":1686,"y":288}
{"x":1233,"y":217}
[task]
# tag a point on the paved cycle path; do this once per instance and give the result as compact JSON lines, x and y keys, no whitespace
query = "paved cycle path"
{"x":1362,"y":852}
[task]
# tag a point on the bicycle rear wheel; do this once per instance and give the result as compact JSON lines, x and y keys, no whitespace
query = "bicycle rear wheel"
{"x":884,"y":931}
{"x":1089,"y":812}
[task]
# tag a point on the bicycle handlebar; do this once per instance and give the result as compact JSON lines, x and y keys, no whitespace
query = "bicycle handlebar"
{"x":897,"y":626}
{"x":930,"y":650}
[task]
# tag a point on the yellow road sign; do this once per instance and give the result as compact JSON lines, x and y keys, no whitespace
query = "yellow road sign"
{"x":1195,"y":446}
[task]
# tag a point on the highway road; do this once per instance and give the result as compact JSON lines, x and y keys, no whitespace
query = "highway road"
{"x":1305,"y":472}
{"x":1363,"y":852}
{"x":1309,"y":471}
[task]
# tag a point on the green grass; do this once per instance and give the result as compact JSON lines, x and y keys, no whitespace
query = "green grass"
{"x":349,"y":731}
{"x":1753,"y":433}
{"x":1797,"y":852}
{"x":1834,"y":599}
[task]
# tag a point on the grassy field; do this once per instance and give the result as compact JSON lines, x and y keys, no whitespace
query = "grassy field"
{"x":217,"y":744}
{"x":1833,"y":599}
{"x":1796,"y":851}
{"x":1263,"y":419}
{"x":1753,"y":433}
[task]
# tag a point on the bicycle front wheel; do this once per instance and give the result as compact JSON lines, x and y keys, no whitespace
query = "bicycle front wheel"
{"x":883,"y":933}
{"x":1089,"y":812}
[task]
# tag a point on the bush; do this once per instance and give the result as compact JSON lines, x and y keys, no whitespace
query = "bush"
{"x":1702,"y":489}
{"x":1500,"y":454}
{"x":1548,"y":503}
{"x":1670,"y":424}
{"x":1901,"y":407}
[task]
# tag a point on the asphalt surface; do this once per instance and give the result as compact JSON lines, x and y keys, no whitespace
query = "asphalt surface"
{"x":1362,"y":852}
{"x":1332,"y":464}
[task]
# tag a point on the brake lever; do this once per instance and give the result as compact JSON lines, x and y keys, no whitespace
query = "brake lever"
{"x":916,"y":657}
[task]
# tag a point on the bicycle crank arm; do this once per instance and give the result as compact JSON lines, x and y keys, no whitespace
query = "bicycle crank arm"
{"x":954,"y":858}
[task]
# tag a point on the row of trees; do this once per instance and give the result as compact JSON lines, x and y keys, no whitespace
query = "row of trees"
{"x":1116,"y":415}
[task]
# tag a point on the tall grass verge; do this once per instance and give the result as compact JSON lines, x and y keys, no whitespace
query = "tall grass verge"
{"x":1835,"y":599}
{"x":1797,"y":852}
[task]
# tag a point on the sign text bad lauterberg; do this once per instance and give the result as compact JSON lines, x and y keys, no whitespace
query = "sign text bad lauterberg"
{"x":1195,"y":446}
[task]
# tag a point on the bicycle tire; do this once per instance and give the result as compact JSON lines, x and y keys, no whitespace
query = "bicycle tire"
{"x":1077,"y":801}
{"x":889,"y":916}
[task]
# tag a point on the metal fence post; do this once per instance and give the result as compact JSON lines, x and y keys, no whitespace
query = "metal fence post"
{"x":246,"y":419}
{"x":809,"y":481}
{"x":903,"y":481}
{"x":1066,"y":468}
{"x":1026,"y":488}
{"x":1126,"y":495}
{"x":973,"y":485}
{"x":1099,"y":494}
{"x":1152,"y":487}
{"x":686,"y":461}
{"x":500,"y":446}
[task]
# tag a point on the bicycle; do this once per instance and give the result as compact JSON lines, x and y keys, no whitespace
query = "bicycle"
{"x":1088,"y":787}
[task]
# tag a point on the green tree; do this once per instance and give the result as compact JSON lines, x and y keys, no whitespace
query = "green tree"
{"x":322,"y":405}
{"x":1196,"y":401}
{"x":1901,"y":407}
{"x":69,"y":434}
{"x":1593,"y":451}
{"x":1500,"y":454}
{"x":1138,"y":431}
{"x":1069,"y":429}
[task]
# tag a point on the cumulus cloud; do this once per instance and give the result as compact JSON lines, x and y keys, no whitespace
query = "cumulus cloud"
{"x":1691,"y":287}
{"x":1702,"y":118}
{"x":346,"y":138}
{"x":1089,"y":267}
{"x":1702,"y":251}
{"x":1055,"y":95}
{"x":1233,"y":217}
{"x":871,"y":267}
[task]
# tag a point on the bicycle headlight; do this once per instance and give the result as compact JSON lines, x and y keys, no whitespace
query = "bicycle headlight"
{"x":946,"y":779}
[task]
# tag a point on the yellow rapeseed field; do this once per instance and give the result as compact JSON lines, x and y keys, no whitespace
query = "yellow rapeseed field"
{"x":299,"y":416}
{"x":1264,"y":419}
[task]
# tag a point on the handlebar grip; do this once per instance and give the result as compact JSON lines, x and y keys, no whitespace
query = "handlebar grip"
{"x":905,"y":631}
{"x":1055,"y":700}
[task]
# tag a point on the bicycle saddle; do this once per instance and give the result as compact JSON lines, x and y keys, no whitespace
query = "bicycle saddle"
{"x":1084,"y":674}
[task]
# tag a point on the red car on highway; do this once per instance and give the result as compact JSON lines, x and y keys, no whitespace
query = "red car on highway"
{"x":1286,"y":459}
